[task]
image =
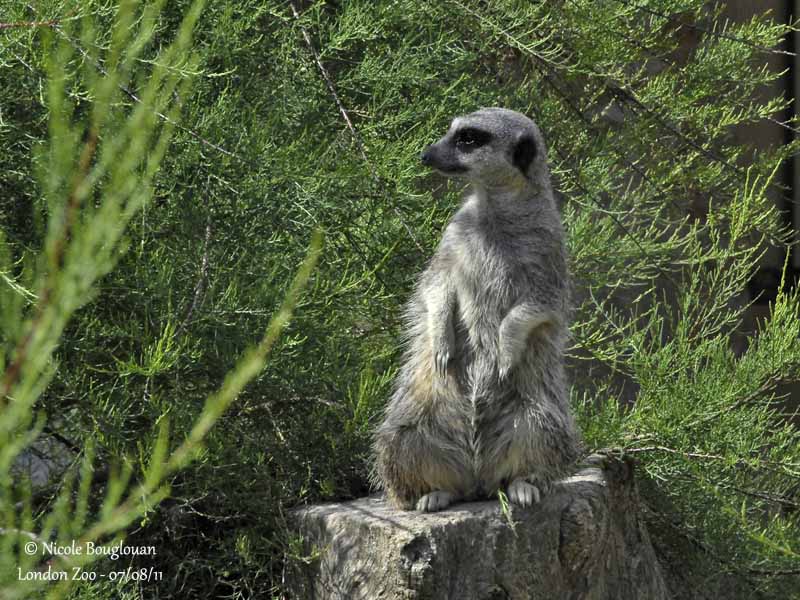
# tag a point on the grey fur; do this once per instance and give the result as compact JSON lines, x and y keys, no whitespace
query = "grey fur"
{"x":481,"y":399}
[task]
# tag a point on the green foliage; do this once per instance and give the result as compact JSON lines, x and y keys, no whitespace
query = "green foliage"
{"x":315,"y":119}
{"x":89,"y":202}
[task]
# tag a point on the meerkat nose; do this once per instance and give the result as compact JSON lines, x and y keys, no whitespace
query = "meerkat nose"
{"x":426,"y":157}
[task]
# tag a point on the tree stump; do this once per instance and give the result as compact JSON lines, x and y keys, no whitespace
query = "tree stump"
{"x":585,"y":540}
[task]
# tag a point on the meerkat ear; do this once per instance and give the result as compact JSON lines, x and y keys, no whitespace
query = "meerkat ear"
{"x":524,"y":153}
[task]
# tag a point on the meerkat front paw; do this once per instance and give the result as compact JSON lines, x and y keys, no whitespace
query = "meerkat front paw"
{"x":523,"y":493}
{"x":435,"y":501}
{"x":505,"y":362}
{"x":443,"y":351}
{"x":441,"y":358}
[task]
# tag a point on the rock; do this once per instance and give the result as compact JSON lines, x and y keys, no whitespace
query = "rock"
{"x":585,"y":540}
{"x":43,"y":462}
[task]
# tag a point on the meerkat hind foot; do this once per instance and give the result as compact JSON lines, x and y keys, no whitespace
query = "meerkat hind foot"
{"x":435,"y":501}
{"x":523,"y":493}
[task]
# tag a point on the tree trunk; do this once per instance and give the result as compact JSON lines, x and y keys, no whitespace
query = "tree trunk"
{"x":585,"y":540}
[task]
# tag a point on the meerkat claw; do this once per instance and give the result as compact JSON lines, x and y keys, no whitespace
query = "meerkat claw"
{"x":434,"y":501}
{"x":503,"y":371}
{"x":523,"y":493}
{"x":504,"y":365}
{"x":441,"y":361}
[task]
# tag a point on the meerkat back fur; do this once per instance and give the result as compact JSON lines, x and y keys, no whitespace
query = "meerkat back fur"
{"x":481,"y":402}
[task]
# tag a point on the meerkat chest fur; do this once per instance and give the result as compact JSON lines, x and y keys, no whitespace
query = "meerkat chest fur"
{"x":503,"y":248}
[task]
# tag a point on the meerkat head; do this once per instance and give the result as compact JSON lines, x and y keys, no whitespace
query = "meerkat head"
{"x":493,"y":147}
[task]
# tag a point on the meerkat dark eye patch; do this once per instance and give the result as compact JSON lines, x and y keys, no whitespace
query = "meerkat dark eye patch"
{"x":470,"y":138}
{"x":524,"y":153}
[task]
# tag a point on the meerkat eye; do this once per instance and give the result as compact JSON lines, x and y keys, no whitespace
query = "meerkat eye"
{"x":469,"y":139}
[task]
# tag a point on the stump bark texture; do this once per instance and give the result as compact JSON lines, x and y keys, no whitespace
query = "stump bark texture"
{"x":585,"y":540}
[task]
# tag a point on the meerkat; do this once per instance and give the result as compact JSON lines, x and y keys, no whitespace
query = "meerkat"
{"x":481,"y":401}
